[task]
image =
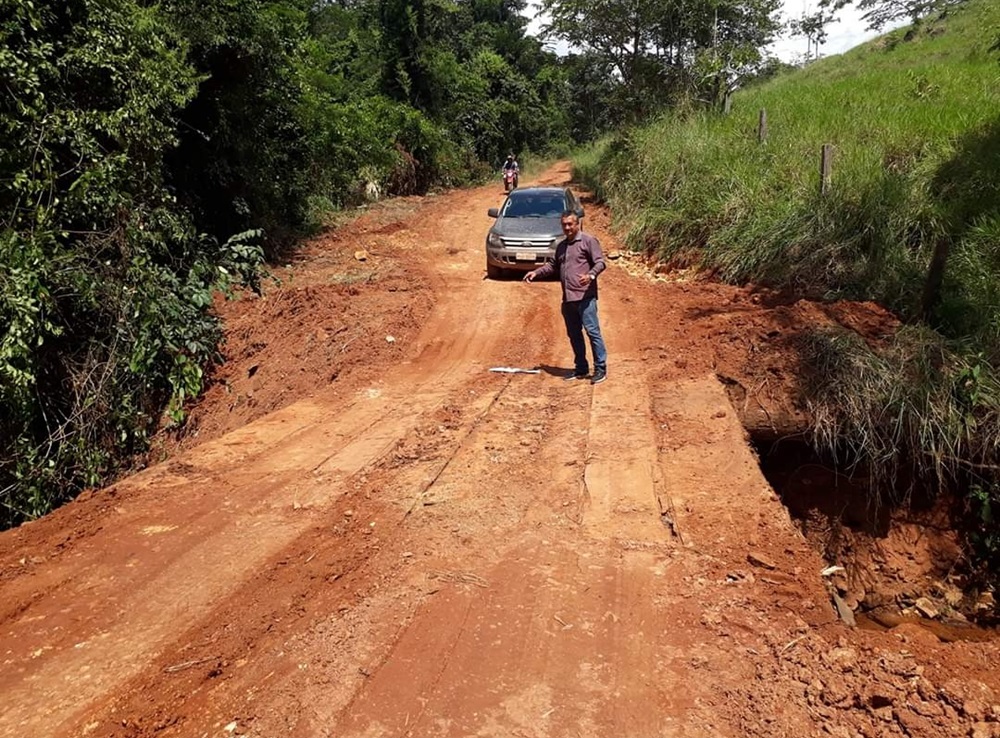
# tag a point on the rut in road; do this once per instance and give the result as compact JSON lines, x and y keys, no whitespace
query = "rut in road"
{"x":440,"y":551}
{"x":576,"y":630}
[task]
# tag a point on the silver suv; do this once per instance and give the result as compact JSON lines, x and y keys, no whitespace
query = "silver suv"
{"x":527,"y":228}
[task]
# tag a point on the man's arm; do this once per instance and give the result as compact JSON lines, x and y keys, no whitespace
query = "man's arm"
{"x":548,"y":269}
{"x":545,"y":270}
{"x":592,"y":250}
{"x":597,"y":264}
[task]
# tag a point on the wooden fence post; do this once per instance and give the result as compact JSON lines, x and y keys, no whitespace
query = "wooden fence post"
{"x":762,"y":126}
{"x":825,"y":165}
{"x":727,"y":103}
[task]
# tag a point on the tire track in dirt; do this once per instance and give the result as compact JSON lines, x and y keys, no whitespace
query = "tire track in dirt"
{"x":147,"y":602}
{"x":563,"y":637}
{"x":455,"y":518}
{"x":486,"y":495}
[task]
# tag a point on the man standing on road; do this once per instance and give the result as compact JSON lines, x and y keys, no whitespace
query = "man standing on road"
{"x":578,"y":261}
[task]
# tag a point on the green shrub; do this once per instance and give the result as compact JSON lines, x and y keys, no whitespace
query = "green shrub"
{"x":105,"y":282}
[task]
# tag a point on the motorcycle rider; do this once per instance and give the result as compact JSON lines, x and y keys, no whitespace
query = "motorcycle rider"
{"x":511,"y":165}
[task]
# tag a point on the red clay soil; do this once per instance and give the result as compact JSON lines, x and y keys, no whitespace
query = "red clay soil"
{"x":361,"y":531}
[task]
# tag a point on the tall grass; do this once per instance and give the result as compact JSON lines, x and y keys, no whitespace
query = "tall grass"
{"x":916,"y":130}
{"x":587,"y":166}
{"x":915,"y":121}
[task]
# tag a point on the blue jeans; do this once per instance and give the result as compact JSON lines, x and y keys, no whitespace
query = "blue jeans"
{"x":580,"y":316}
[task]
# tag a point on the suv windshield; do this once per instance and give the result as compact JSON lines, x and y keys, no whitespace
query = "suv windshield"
{"x":534,"y":206}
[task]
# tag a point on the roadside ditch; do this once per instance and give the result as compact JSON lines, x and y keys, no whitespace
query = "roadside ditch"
{"x":888,"y":563}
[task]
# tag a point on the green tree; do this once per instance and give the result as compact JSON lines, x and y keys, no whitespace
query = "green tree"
{"x":730,"y":36}
{"x":813,"y":28}
{"x":241,"y":162}
{"x":881,"y":13}
{"x":662,"y":50}
{"x":104,"y":281}
{"x":624,"y":34}
{"x":592,"y":103}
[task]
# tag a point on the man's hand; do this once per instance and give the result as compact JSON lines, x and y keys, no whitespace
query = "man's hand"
{"x":530,"y":276}
{"x":585,"y":279}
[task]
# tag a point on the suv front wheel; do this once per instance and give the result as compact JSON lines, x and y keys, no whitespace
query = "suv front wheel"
{"x":493,"y":271}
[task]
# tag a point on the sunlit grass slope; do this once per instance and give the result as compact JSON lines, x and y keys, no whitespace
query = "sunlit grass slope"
{"x":915,"y":121}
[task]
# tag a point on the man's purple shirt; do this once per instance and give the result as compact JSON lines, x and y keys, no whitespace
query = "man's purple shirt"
{"x":575,"y":258}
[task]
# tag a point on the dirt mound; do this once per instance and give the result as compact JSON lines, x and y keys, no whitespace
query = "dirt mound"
{"x":343,"y":309}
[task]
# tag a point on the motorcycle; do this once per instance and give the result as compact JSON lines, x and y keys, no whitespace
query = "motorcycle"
{"x":509,"y":180}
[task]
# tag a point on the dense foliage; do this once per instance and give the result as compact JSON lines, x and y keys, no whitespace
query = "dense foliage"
{"x":151,"y":152}
{"x":911,"y":219}
{"x":104,"y":279}
{"x":668,"y":52}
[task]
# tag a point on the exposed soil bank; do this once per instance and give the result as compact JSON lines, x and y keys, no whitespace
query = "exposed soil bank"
{"x":899,"y":562}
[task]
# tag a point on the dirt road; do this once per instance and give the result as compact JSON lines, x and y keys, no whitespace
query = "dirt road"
{"x":367,"y":533}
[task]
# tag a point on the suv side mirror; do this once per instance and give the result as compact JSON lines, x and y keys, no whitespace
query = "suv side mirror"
{"x":579,"y":213}
{"x":493,"y":213}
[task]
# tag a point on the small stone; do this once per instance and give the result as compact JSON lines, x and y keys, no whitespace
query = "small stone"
{"x":759,"y":559}
{"x":837,"y":693}
{"x":838,"y":731}
{"x":931,"y":710}
{"x":927,"y":690}
{"x":846,"y":614}
{"x":843,"y":658}
{"x":951,"y":594}
{"x":975,"y":709}
{"x":984,"y":730}
{"x":361,"y":255}
{"x":926,"y":608}
{"x":885,"y":714}
{"x":915,"y":725}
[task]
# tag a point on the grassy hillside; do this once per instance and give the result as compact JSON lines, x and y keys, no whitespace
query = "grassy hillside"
{"x":915,"y":121}
{"x":916,"y":129}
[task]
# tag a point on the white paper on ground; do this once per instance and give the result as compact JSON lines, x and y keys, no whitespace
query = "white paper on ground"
{"x":515,"y":370}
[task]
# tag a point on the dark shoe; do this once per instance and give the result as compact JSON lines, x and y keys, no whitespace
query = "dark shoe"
{"x":575,"y":375}
{"x":599,"y":376}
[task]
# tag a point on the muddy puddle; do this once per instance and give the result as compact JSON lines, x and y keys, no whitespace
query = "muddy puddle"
{"x":889,"y":565}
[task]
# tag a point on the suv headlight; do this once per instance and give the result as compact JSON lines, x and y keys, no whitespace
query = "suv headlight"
{"x":555,"y":241}
{"x":494,"y":240}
